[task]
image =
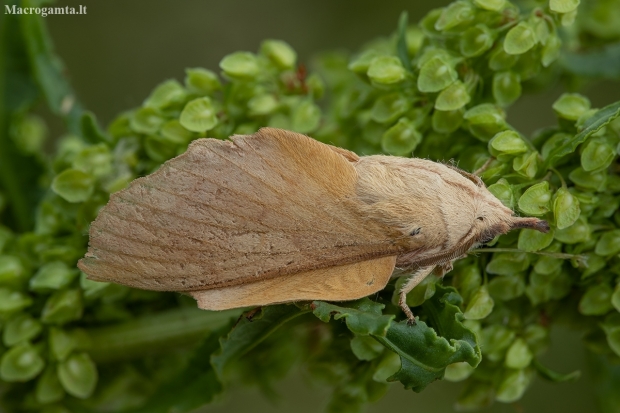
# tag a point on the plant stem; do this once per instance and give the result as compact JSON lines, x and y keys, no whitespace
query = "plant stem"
{"x":155,"y":333}
{"x":560,"y":255}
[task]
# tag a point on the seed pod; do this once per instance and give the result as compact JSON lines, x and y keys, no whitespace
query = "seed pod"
{"x":278,"y":217}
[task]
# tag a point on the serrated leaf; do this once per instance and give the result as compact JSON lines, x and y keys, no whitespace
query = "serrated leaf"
{"x":425,"y":352}
{"x":247,"y":334}
{"x":363,"y":316}
{"x":592,"y":125}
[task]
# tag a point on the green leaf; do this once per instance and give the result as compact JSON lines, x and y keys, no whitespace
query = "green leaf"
{"x":21,"y":363}
{"x":565,"y":208}
{"x":508,"y":263}
{"x":615,"y":298}
{"x":198,"y":115}
{"x":13,"y":301}
{"x":363,"y":316}
{"x":306,"y":117}
{"x":49,"y":389}
{"x":608,"y":244}
{"x":63,"y":306}
{"x":592,"y":125}
{"x":366,"y":347}
{"x":597,"y":154}
{"x":518,"y":355}
{"x":78,"y":375}
{"x":52,"y":276}
{"x":402,"y":138}
{"x":506,"y":87}
{"x":201,"y":81}
{"x":512,"y":386}
{"x":532,"y":240}
{"x":480,"y":304}
{"x":476,"y":40}
{"x":571,"y":106}
{"x":493,"y":5}
{"x":247,"y":334}
{"x":12,"y":271}
{"x":166,"y":94}
{"x":195,"y":385}
{"x":425,"y":352}
{"x":390,"y":107}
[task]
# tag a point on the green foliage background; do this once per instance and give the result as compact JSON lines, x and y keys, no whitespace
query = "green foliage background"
{"x":438,"y":89}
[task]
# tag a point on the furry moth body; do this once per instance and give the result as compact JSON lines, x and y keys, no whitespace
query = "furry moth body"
{"x":278,"y":217}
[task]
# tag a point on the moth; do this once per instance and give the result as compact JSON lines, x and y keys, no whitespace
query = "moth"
{"x":278,"y":217}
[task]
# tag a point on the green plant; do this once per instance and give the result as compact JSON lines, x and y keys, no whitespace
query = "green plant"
{"x":436,"y":89}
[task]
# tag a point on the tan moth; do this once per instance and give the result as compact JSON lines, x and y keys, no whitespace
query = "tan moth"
{"x":278,"y":217}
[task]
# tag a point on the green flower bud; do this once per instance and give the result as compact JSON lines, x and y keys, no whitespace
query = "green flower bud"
{"x":502,"y":190}
{"x":485,"y":121}
{"x":513,"y":385}
{"x":387,"y":367}
{"x":595,"y":264}
{"x":532,"y":240}
{"x":240,"y":65}
{"x":279,"y":53}
{"x":435,"y":75}
{"x":174,"y":133}
{"x":262,"y":105}
{"x":306,"y":117}
{"x":74,"y":185}
{"x":611,"y":326}
{"x":507,"y":287}
{"x":92,"y":289}
{"x":519,"y":355}
{"x":615,"y":298}
{"x":506,"y":87}
{"x":563,"y":6}
{"x":78,"y":375}
{"x":596,"y":300}
{"x":480,"y":305}
{"x":571,"y":106}
{"x":21,"y":363}
{"x":526,"y":164}
{"x":386,"y":70}
{"x":49,"y":389}
{"x":390,"y":107}
{"x":588,"y":180}
{"x":62,"y":307}
{"x":467,"y":280}
{"x":597,"y":155}
{"x":146,"y":120}
{"x":28,"y":133}
{"x":402,"y":138}
{"x":551,"y":50}
{"x":475,"y":395}
{"x":536,"y":199}
{"x":199,"y":115}
{"x":95,"y":160}
{"x":52,"y":276}
{"x":361,"y":63}
{"x":13,"y":301}
{"x":453,"y":97}
{"x":506,"y":144}
{"x":458,"y":371}
{"x":169,"y":93}
{"x":12,"y":271}
{"x":457,"y":14}
{"x":21,"y":328}
{"x":608,"y":244}
{"x":508,"y":263}
{"x":493,"y":5}
{"x":565,"y":208}
{"x":500,"y":60}
{"x":520,"y":39}
{"x":476,"y":40}
{"x":495,"y":339}
{"x":447,"y":121}
{"x":201,"y":81}
{"x":576,"y":233}
{"x":366,"y":348}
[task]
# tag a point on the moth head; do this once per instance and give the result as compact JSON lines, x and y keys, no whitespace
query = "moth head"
{"x":493,"y":218}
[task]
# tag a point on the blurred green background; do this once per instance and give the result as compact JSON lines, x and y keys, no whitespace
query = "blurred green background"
{"x":117,"y":53}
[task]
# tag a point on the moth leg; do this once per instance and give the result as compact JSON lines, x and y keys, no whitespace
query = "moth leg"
{"x":414,"y":280}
